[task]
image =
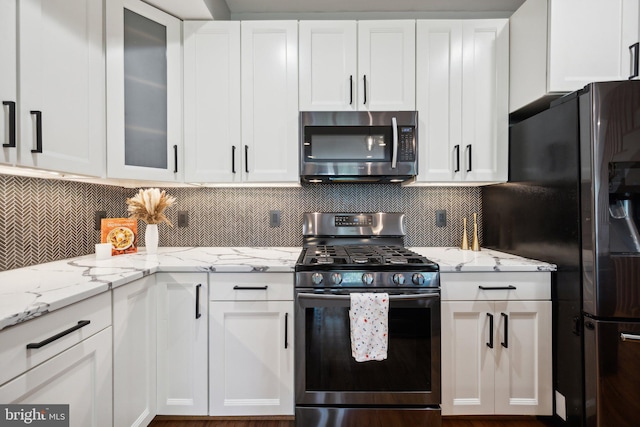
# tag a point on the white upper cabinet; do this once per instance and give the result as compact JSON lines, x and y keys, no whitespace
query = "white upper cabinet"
{"x":144,"y":92}
{"x":328,"y":66}
{"x":559,"y":46}
{"x":8,"y":92}
{"x":62,"y":96}
{"x":364,"y":65}
{"x":213,"y":149}
{"x":386,"y":63}
{"x":462,"y":100}
{"x":269,"y":78}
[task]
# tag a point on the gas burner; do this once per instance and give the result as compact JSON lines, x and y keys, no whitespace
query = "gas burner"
{"x":324,"y":260}
{"x":360,"y":260}
{"x":397,"y":260}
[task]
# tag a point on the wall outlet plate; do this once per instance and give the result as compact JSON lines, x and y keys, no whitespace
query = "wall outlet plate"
{"x":441,"y":218}
{"x":183,"y":218}
{"x":274,"y":219}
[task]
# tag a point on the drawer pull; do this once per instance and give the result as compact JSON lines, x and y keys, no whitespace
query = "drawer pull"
{"x":497,"y":288}
{"x":250,"y":288}
{"x":630,"y":337}
{"x":81,"y":324}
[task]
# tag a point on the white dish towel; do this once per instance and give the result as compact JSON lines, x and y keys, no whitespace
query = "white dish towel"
{"x":369,"y":315}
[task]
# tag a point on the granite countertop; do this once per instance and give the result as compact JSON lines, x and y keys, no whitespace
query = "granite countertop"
{"x":29,"y":292}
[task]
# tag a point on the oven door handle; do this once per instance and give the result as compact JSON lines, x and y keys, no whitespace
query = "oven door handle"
{"x":408,"y":297}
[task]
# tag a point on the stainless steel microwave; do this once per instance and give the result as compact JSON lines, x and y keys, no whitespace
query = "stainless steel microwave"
{"x":358,"y":146}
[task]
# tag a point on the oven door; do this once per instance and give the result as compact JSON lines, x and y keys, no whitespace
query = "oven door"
{"x":327,"y":374}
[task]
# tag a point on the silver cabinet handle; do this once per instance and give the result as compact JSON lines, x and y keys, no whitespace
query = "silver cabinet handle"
{"x":630,"y":337}
{"x":394,"y":155}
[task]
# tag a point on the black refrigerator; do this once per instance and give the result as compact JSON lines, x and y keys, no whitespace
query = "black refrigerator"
{"x":573,"y":199}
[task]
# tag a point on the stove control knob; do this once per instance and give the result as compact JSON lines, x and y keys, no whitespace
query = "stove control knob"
{"x":336,"y":278}
{"x":417,"y":279}
{"x":316,"y":278}
{"x":367,"y":278}
{"x":398,"y":279}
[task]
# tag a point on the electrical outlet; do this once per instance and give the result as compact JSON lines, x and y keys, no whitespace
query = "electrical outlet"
{"x":183,"y":218}
{"x":274,"y":219}
{"x":441,"y":218}
{"x":97,"y":219}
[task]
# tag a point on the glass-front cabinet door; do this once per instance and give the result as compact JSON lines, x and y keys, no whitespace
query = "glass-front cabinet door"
{"x":144,"y":96}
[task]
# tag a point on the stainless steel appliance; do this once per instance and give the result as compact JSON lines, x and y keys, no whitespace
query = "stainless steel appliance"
{"x":572,"y":199}
{"x":363,"y":252}
{"x":358,"y":146}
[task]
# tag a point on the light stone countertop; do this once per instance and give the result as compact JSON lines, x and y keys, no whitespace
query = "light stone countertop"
{"x":29,"y":292}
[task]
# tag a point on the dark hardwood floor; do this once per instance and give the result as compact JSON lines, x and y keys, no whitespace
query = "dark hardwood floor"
{"x":446,"y":422}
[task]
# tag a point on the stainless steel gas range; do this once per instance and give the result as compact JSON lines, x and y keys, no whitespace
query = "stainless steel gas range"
{"x":363,"y":252}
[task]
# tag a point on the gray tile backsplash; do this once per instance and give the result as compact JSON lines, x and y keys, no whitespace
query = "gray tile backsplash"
{"x":46,"y":220}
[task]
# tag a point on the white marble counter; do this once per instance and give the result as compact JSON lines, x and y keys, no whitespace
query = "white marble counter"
{"x":455,"y":259}
{"x":29,"y":292}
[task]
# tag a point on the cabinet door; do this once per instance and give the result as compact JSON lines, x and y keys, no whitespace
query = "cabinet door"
{"x":251,"y":358}
{"x":212,"y":102}
{"x":589,"y":41}
{"x":328,"y":66}
{"x":62,"y":94}
{"x":485,"y":100}
{"x":438,"y":98}
{"x":523,"y":382}
{"x":269,"y":54}
{"x":79,"y":377}
{"x":467,"y":360}
{"x":134,"y":353}
{"x":144,"y":92}
{"x":386,"y":65}
{"x":182,"y":343}
{"x":8,"y":51}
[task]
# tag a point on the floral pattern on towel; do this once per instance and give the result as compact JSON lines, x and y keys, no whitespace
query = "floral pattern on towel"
{"x":369,"y":315}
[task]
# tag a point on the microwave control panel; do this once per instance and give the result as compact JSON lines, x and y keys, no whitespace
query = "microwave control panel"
{"x":406,"y":144}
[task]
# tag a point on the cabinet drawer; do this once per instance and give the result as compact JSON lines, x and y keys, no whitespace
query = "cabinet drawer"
{"x":16,"y":358}
{"x":497,"y":286}
{"x":251,"y":286}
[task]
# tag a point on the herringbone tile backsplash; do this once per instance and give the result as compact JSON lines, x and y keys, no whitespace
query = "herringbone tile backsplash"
{"x":46,"y":220}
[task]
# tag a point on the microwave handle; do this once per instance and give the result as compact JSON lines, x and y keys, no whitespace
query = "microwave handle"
{"x":394,"y":155}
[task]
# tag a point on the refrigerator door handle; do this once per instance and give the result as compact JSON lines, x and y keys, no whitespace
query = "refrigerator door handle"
{"x":630,"y":337}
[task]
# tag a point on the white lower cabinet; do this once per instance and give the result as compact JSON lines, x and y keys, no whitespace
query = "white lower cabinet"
{"x":251,"y":346}
{"x":182,"y":387}
{"x":74,"y":369}
{"x":134,"y":353}
{"x":496,"y":344}
{"x":79,"y":377}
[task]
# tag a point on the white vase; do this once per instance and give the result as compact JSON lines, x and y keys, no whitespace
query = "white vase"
{"x":151,"y":238}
